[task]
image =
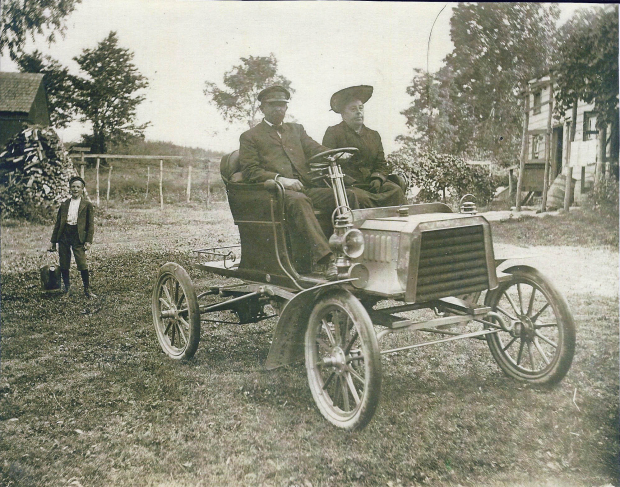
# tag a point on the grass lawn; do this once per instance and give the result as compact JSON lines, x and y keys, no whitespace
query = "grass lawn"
{"x":88,"y":398}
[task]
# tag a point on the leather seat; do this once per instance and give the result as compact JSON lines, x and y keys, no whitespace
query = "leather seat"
{"x":230,"y":169}
{"x":250,"y":205}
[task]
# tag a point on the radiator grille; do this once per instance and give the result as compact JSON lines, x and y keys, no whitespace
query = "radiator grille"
{"x":452,"y":262}
{"x":378,"y":247}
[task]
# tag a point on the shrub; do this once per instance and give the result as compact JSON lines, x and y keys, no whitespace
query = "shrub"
{"x":604,"y":197}
{"x":443,"y":176}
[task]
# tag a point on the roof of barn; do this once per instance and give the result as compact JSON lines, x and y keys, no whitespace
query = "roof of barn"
{"x":18,"y":91}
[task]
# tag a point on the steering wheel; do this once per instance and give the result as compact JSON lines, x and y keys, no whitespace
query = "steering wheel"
{"x":343,"y":150}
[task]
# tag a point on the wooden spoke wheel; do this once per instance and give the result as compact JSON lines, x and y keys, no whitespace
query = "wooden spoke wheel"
{"x":539,"y":341}
{"x":343,"y":360}
{"x":176,"y":314}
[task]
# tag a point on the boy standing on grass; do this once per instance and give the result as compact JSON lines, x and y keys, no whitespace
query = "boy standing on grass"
{"x":73,"y":231}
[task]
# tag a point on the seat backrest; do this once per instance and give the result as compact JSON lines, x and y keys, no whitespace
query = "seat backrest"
{"x":247,"y":201}
{"x":251,"y":206}
{"x":230,"y":169}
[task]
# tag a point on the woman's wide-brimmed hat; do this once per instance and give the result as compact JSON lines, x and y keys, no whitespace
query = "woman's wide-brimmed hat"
{"x":342,"y":97}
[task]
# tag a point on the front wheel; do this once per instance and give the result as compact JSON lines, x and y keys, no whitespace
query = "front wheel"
{"x":176,"y":314}
{"x":343,"y":360}
{"x":537,"y":342}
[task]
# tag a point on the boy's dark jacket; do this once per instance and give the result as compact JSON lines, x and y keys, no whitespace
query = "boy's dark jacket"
{"x":85,"y":221}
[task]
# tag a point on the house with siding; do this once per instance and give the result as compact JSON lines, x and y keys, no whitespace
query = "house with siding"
{"x":22,"y":101}
{"x":590,"y":148}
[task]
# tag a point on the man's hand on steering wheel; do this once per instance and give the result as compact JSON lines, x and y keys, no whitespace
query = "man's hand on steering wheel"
{"x":334,"y":154}
{"x":343,"y":156}
{"x":290,"y":183}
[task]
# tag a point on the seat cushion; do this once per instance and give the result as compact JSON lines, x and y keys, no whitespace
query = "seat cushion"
{"x":237,"y":177}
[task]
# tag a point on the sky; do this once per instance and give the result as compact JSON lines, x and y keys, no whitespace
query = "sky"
{"x":321,"y":46}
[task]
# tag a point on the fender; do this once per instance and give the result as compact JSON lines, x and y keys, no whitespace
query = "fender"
{"x":504,"y":265}
{"x":287,"y":345}
{"x":506,"y":275}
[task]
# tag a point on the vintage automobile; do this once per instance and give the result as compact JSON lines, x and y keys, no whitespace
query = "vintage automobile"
{"x":392,"y":261}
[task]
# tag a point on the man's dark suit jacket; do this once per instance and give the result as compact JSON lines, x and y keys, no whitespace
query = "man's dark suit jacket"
{"x":263,"y":153}
{"x":369,"y":163}
{"x":85,"y":221}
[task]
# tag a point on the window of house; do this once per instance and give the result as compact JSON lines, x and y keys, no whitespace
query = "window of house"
{"x":589,"y":126}
{"x":538,"y":146}
{"x":537,"y":102}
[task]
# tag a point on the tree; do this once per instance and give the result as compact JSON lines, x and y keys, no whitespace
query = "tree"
{"x":23,"y":17}
{"x":498,"y":47}
{"x":239,"y":99}
{"x":108,"y":95}
{"x":431,"y":115}
{"x":587,"y":64}
{"x":58,"y":85}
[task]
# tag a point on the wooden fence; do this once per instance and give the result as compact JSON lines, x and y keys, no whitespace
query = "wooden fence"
{"x":80,"y":153}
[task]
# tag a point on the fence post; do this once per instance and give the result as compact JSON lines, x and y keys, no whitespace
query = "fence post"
{"x":568,"y":187}
{"x":599,"y":169}
{"x":569,"y":168}
{"x":107,"y":196}
{"x":524,"y":147}
{"x":189,"y":182}
{"x":161,"y":184}
{"x":82,"y":166}
{"x":208,"y":183}
{"x":546,"y":182}
{"x":583,"y":179}
{"x":97,"y":181}
{"x":148,"y":178}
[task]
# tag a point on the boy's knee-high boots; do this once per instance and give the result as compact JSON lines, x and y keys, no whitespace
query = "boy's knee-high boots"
{"x":86,"y":281}
{"x":65,"y":280}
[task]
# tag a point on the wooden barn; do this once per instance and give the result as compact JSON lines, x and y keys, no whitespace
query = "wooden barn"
{"x":22,"y":100}
{"x":554,"y":148}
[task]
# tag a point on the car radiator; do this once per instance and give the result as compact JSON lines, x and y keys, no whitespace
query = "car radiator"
{"x":452,"y":262}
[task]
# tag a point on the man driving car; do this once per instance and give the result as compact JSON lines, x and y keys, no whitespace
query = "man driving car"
{"x":280,"y":151}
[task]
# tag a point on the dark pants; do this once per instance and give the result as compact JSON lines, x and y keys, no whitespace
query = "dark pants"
{"x":390,"y":194}
{"x":310,"y":242}
{"x":70,"y":240}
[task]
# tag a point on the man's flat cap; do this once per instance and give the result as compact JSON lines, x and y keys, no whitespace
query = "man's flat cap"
{"x":77,"y":178}
{"x":274,"y":93}
{"x":344,"y":96}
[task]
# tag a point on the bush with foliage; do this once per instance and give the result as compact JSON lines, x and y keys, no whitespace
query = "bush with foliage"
{"x":443,"y":176}
{"x":604,"y":197}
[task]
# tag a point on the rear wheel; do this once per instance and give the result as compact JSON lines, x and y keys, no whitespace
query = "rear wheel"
{"x":538,"y":343}
{"x":176,"y":314}
{"x":343,"y":361}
